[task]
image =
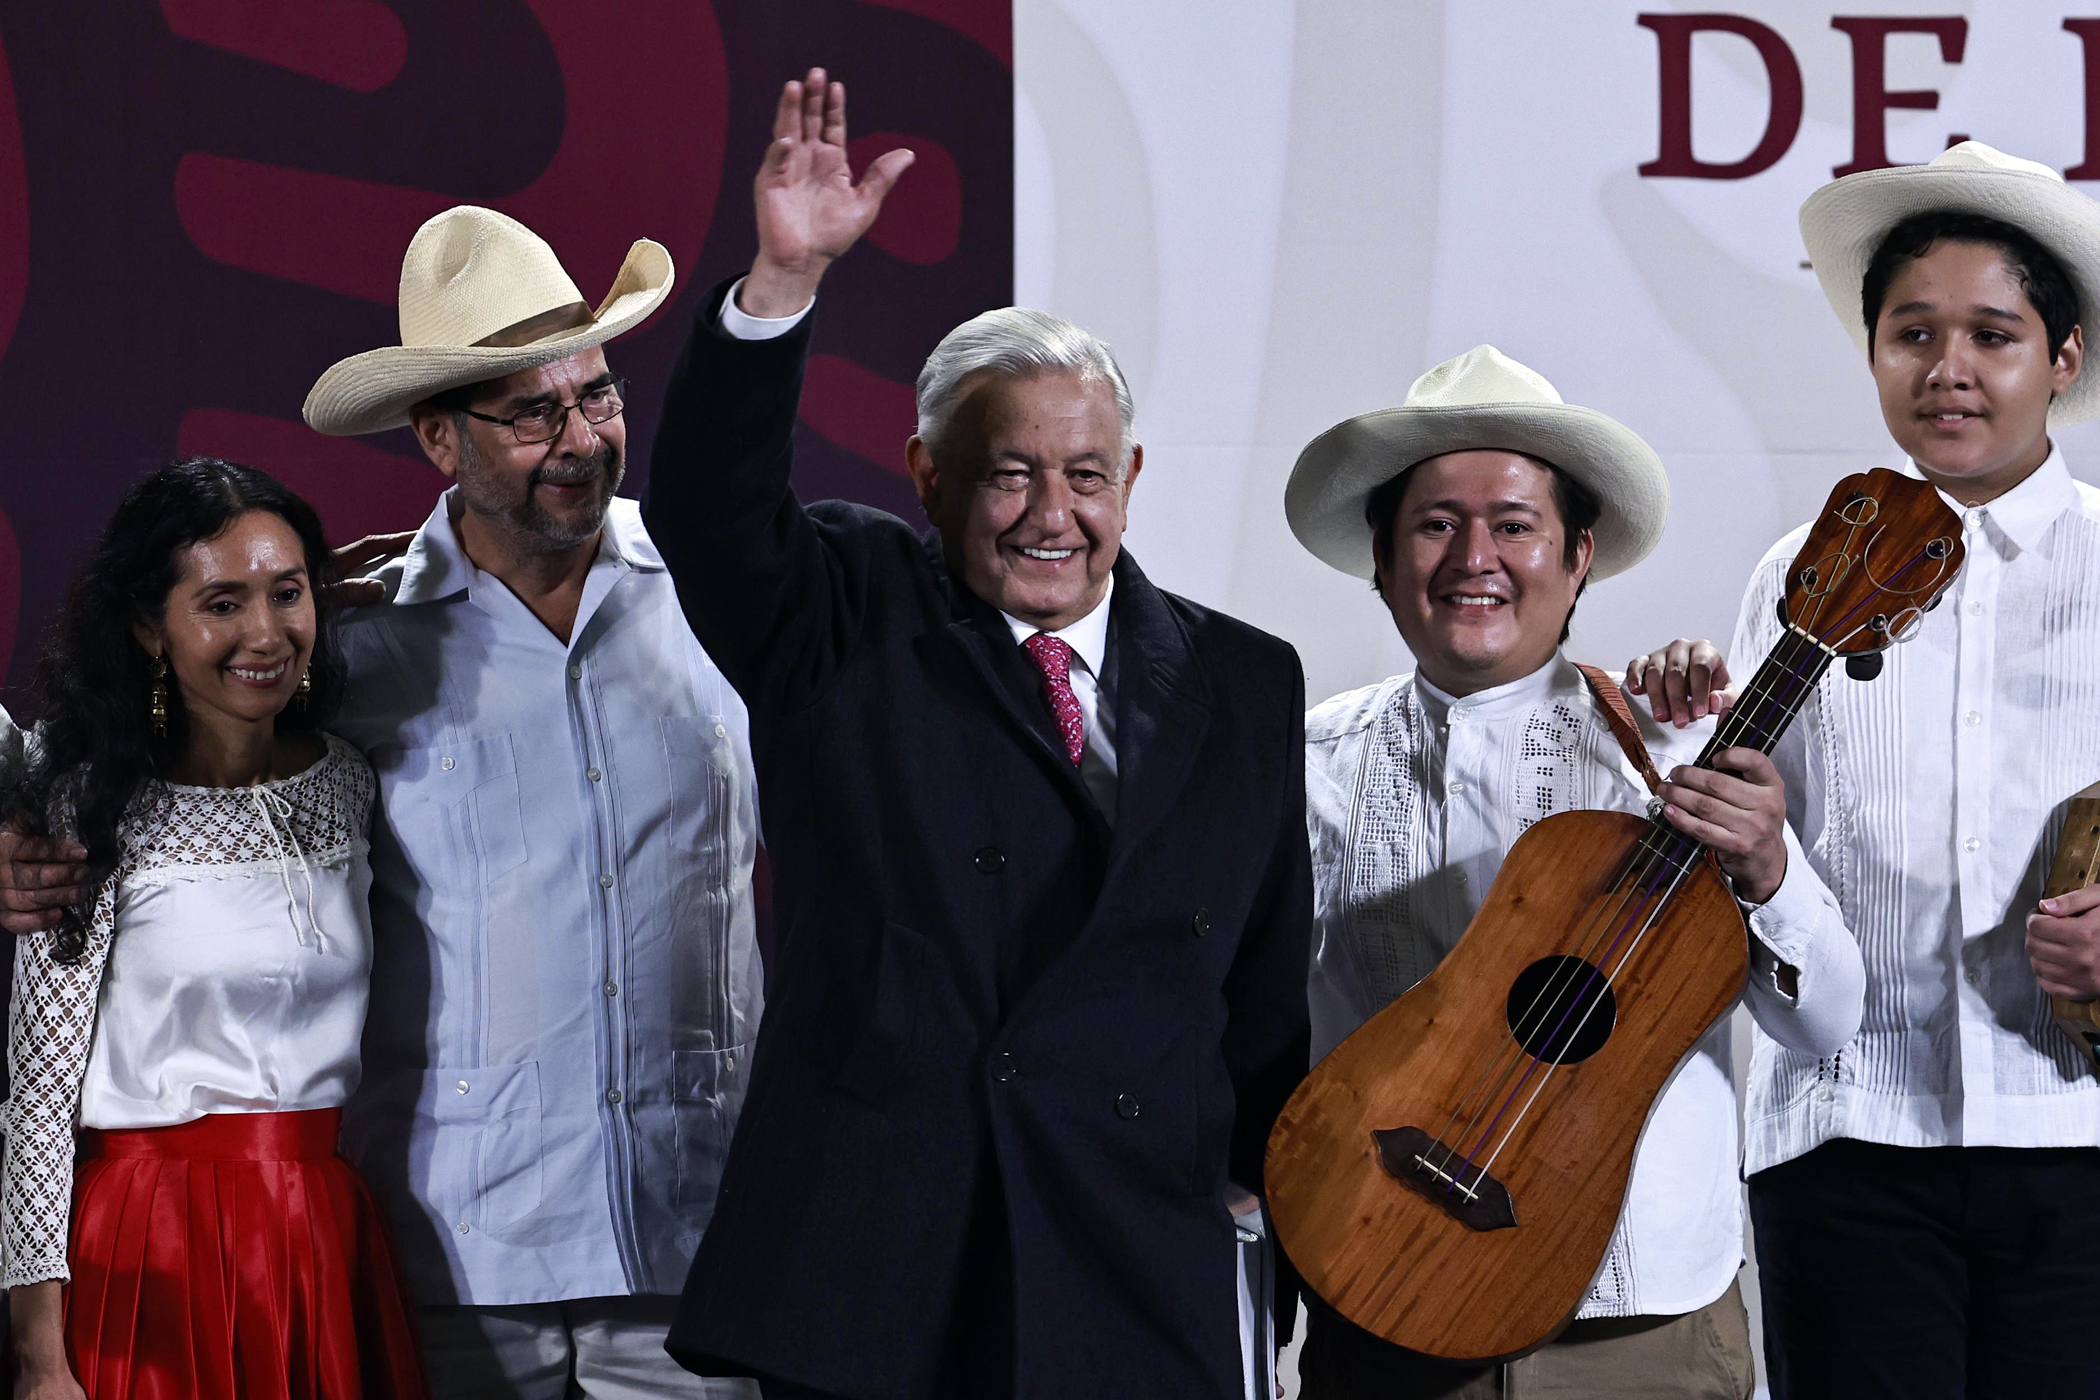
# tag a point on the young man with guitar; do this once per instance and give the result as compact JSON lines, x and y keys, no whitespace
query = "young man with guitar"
{"x":1927,"y":1199}
{"x":1480,"y":510}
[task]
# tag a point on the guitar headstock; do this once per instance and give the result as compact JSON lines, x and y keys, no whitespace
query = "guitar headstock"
{"x":1878,"y":558}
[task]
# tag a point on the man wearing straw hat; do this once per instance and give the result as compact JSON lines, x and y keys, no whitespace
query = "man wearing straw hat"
{"x":1927,"y":1200}
{"x":1479,"y":510}
{"x":565,"y":983}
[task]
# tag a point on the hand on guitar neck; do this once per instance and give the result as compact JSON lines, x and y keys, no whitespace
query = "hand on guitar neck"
{"x":1739,"y":810}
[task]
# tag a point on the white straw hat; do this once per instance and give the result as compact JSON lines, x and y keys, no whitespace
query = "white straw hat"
{"x":482,"y":296}
{"x":1481,"y":400}
{"x":1844,"y":222}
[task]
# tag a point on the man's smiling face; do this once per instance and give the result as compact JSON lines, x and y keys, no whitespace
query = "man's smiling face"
{"x":1477,"y":569}
{"x":535,"y":497}
{"x":1031,"y":492}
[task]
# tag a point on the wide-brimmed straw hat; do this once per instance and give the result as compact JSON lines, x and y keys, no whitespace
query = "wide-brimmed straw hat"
{"x":1481,"y":400}
{"x":482,"y":296}
{"x":1844,"y":222}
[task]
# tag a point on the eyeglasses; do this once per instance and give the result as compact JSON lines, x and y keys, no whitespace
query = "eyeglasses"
{"x":543,"y":422}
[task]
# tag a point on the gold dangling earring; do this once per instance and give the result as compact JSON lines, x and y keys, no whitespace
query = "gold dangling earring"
{"x":305,"y":690}
{"x":157,"y":697}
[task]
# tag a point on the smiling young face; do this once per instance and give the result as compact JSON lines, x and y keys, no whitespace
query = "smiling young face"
{"x":239,"y":627}
{"x":1965,"y":371}
{"x":1031,"y":493}
{"x":1477,"y":569}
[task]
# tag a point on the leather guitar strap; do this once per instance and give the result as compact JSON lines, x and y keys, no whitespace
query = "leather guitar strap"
{"x":1619,"y":718}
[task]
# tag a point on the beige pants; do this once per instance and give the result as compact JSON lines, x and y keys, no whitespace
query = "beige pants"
{"x":601,"y":1348}
{"x":1703,"y":1355}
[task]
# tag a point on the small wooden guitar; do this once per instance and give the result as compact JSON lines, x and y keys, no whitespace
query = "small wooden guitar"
{"x":2077,"y":865}
{"x":1449,"y":1177}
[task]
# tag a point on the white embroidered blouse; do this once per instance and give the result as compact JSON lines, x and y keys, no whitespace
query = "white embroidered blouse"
{"x":227,"y":969}
{"x":1413,"y":798}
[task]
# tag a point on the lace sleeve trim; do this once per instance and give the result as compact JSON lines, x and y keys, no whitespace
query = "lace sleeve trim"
{"x":51,"y":1025}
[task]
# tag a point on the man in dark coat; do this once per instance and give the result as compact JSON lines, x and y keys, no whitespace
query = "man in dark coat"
{"x":1038,"y":837}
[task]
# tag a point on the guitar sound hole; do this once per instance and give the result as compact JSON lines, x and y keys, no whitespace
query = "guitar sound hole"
{"x":1561,"y":1010}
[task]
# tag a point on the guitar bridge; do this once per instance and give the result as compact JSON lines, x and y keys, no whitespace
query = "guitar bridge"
{"x":1437,"y":1172}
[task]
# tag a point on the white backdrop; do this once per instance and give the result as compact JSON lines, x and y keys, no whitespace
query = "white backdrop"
{"x":1281,"y":214}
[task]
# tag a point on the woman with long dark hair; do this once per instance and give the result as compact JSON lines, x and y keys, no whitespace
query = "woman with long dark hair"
{"x":197,"y":1015}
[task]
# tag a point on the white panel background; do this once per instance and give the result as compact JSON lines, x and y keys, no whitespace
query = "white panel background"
{"x":1281,"y":214}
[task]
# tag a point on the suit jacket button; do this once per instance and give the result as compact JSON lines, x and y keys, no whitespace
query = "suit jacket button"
{"x":1126,"y":1106}
{"x":1004,"y":1068}
{"x":1200,"y":925}
{"x":990,"y":861}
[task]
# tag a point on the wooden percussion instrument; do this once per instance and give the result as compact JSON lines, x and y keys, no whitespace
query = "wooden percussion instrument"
{"x":2076,"y":866}
{"x":1449,"y":1177}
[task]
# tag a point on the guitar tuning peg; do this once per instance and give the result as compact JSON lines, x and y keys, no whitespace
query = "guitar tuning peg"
{"x":1864,"y":666}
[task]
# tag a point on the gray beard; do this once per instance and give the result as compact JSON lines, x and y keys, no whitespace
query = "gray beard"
{"x":531,"y":528}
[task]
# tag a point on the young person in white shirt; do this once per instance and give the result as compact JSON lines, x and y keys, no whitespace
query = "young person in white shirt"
{"x":1480,"y":510}
{"x":1927,"y":1200}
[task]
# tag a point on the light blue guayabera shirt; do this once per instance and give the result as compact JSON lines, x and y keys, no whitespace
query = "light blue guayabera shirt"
{"x":565,"y":983}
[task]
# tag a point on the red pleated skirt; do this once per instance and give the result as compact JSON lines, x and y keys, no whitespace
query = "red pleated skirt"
{"x":236,"y":1256}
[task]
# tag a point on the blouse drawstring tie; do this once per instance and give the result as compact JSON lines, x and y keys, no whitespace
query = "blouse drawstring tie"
{"x":276,"y":813}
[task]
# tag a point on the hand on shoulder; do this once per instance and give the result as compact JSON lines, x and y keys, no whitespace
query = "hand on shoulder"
{"x":1683,"y":681}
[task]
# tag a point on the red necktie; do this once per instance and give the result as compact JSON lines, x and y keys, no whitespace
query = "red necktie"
{"x":1054,"y":659}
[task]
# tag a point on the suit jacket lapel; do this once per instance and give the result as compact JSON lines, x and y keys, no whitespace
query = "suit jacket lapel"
{"x":1162,"y":707}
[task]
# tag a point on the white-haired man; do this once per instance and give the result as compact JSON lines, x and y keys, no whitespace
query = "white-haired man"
{"x":1037,"y":832}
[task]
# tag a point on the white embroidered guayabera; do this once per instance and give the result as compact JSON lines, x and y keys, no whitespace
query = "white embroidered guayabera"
{"x":315,"y":820}
{"x":1561,"y":751}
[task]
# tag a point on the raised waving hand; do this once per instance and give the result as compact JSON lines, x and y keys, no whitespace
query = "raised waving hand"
{"x":809,"y":209}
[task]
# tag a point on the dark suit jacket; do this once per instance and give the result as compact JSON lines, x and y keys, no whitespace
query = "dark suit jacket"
{"x":989,"y":1004}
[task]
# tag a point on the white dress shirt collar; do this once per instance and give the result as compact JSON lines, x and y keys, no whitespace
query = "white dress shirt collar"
{"x":1087,"y":637}
{"x":1495,"y":702}
{"x":436,"y":565}
{"x":2029,"y":509}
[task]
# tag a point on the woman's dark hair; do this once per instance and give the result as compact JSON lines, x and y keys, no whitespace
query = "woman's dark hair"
{"x":94,"y":747}
{"x":2035,"y":268}
{"x":1579,"y":509}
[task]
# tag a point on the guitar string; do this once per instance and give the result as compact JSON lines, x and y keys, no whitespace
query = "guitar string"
{"x":1622,"y":885}
{"x":1806,"y":689}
